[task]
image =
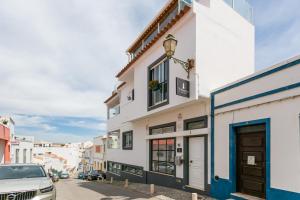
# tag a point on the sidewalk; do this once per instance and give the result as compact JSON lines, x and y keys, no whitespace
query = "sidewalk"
{"x":161,"y":193}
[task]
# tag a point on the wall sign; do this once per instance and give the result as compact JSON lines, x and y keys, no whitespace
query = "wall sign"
{"x":182,"y":87}
{"x":251,"y":160}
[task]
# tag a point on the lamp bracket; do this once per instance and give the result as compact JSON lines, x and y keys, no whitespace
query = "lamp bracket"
{"x":186,"y":65}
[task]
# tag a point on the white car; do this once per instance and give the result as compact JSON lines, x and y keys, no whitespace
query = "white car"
{"x":24,"y":182}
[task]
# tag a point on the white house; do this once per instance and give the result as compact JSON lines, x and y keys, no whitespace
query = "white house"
{"x":158,"y":130}
{"x":21,"y":149}
{"x":256,"y":135}
{"x":98,"y":154}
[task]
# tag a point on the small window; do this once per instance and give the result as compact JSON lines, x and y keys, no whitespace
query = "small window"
{"x":114,"y":168}
{"x":164,"y":128}
{"x":195,"y":123}
{"x":133,"y":170}
{"x":128,"y":140}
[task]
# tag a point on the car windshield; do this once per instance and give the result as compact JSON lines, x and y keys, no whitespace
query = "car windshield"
{"x":18,"y":172}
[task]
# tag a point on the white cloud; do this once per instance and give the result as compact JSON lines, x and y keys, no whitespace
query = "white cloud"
{"x":60,"y":57}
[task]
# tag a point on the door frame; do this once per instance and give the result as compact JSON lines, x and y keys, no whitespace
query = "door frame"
{"x":186,"y":152}
{"x":233,"y":153}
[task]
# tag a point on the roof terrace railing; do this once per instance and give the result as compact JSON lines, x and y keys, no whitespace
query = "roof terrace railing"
{"x":242,"y":7}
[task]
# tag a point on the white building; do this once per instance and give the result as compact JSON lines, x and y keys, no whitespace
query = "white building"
{"x":158,"y":130}
{"x":256,"y":135}
{"x":98,"y":154}
{"x":61,"y":157}
{"x":87,"y":160}
{"x":21,"y":149}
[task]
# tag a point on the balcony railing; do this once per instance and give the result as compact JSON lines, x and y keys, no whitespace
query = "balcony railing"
{"x":242,"y":7}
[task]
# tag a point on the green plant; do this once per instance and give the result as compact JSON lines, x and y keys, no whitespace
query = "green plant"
{"x":154,"y":85}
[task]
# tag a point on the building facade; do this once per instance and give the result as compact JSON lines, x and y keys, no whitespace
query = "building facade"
{"x":21,"y":149}
{"x":158,"y":117}
{"x":4,"y":144}
{"x":256,"y":135}
{"x":98,"y":154}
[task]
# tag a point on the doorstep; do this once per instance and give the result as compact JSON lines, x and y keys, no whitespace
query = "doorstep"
{"x":240,"y":196}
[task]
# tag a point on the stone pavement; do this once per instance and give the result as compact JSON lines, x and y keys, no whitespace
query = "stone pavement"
{"x":161,"y":193}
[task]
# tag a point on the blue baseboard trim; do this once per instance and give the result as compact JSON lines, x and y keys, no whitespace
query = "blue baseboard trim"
{"x":283,"y":194}
{"x":220,"y":189}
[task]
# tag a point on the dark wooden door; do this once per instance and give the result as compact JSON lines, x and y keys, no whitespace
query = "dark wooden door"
{"x":251,"y":160}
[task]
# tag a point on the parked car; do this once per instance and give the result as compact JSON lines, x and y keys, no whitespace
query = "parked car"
{"x":80,"y":175}
{"x":64,"y":175}
{"x":93,"y":175}
{"x":85,"y":175}
{"x":102,"y":175}
{"x":55,"y":177}
{"x":25,"y":180}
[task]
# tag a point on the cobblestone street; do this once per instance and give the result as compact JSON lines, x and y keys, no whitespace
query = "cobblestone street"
{"x":74,"y":189}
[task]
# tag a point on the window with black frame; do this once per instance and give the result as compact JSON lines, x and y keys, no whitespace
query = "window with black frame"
{"x":195,"y":123}
{"x":114,"y":167}
{"x":158,"y":84}
{"x":163,"y":156}
{"x":127,"y":140}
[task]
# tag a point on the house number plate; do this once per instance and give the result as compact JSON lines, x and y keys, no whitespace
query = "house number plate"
{"x":251,"y":160}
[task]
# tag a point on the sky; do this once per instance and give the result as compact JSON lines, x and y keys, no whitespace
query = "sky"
{"x":58,"y":59}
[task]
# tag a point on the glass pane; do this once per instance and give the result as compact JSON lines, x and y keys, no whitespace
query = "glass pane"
{"x":170,"y":168}
{"x":154,"y":144}
{"x":162,"y":145}
{"x":196,"y":125}
{"x":170,"y":144}
{"x":156,"y":131}
{"x":171,"y":156}
{"x":155,"y":166}
{"x":162,"y":155}
{"x":154,"y":155}
{"x":169,"y":129}
{"x":162,"y":167}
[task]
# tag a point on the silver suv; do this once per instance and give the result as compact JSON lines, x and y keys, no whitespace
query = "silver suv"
{"x":24,"y":182}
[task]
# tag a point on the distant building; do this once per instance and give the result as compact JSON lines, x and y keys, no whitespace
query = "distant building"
{"x":98,"y":153}
{"x":58,"y":156}
{"x":22,"y":149}
{"x":4,"y":144}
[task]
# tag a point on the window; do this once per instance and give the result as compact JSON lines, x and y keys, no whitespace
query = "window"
{"x":30,"y":156}
{"x":113,"y":140}
{"x":24,"y":155}
{"x":133,"y":170}
{"x":97,"y":148}
{"x":161,"y":129}
{"x":195,"y":123}
{"x":17,"y":156}
{"x":158,"y":89}
{"x":114,"y":167}
{"x":128,"y":140}
{"x":163,"y":156}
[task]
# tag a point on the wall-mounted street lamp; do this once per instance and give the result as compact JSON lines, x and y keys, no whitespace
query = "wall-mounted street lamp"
{"x":170,"y":44}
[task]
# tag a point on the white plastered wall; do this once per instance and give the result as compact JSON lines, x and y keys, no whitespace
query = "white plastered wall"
{"x":225,"y":45}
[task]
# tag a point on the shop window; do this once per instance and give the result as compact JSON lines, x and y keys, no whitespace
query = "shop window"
{"x":163,"y":156}
{"x":133,"y":170}
{"x":128,"y":140}
{"x":158,"y":88}
{"x":114,"y":168}
{"x":195,"y":123}
{"x":164,"y":128}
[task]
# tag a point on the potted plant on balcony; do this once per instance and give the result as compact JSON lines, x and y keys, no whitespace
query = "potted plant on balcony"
{"x":154,"y":85}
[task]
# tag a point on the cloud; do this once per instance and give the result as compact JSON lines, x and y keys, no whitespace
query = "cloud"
{"x":277,"y":28}
{"x":59,"y":58}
